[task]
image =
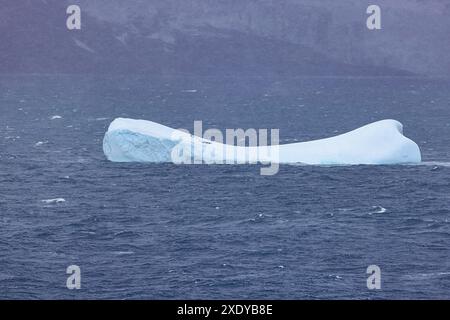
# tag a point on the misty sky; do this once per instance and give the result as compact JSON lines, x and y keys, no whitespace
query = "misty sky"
{"x":295,"y":37}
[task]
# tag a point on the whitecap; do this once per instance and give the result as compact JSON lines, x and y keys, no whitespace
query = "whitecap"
{"x":98,"y":119}
{"x":121,"y":253}
{"x":40,"y":143}
{"x":378,"y":209}
{"x":53,"y":201}
{"x":88,"y":232}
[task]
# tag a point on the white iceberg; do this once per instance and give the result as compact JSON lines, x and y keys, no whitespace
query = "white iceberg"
{"x":381,"y":142}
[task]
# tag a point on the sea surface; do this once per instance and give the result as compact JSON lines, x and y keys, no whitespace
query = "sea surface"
{"x":165,"y":231}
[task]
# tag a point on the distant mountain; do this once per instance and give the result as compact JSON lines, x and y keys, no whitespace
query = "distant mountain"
{"x":226,"y":37}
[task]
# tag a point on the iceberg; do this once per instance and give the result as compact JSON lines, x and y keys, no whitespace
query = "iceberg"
{"x":378,"y":143}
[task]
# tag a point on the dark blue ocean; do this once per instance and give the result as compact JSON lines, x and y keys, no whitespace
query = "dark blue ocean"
{"x":147,"y":231}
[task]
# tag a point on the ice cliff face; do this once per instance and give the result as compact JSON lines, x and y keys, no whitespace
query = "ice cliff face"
{"x":227,"y":37}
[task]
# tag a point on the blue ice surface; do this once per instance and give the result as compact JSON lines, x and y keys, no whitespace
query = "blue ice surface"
{"x":136,"y":147}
